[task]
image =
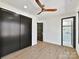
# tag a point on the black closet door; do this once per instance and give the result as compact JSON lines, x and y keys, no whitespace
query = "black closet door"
{"x":26,"y":31}
{"x":0,"y":34}
{"x":9,"y":31}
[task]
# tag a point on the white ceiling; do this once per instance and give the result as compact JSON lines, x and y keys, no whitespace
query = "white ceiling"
{"x":63,"y":6}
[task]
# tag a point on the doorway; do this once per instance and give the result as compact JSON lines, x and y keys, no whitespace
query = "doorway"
{"x":39,"y":31}
{"x":68,"y":32}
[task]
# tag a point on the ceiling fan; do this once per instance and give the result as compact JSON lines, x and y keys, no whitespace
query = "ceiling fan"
{"x":44,"y":9}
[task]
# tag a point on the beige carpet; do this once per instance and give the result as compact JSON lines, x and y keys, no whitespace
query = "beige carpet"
{"x":44,"y":51}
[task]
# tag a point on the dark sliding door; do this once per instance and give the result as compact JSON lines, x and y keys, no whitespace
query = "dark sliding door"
{"x":9,"y":31}
{"x":15,"y":32}
{"x":26,"y":24}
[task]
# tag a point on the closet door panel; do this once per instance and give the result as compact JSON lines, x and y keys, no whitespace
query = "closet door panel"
{"x":0,"y":34}
{"x":9,"y":31}
{"x":26,"y":24}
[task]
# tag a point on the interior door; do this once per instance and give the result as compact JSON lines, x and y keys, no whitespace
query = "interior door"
{"x":9,"y":31}
{"x":26,"y":31}
{"x":68,"y":32}
{"x":40,"y":31}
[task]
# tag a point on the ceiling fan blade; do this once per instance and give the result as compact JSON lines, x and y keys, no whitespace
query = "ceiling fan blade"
{"x":39,"y":4}
{"x":50,"y":9}
{"x":39,"y":13}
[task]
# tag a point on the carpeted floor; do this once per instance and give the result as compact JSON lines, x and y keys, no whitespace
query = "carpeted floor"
{"x":44,"y":51}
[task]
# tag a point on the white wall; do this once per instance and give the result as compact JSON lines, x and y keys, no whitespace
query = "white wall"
{"x":52,"y":29}
{"x":34,"y":22}
{"x":77,"y":31}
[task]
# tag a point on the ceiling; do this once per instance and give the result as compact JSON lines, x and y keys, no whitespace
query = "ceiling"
{"x":63,"y":6}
